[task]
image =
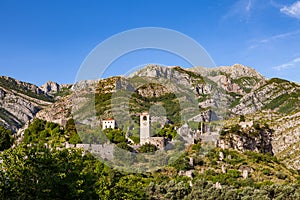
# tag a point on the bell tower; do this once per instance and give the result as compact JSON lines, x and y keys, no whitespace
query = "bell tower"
{"x":144,"y":127}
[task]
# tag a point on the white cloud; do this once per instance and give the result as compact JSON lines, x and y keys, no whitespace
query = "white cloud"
{"x":241,"y":8}
{"x":292,"y":10}
{"x":273,"y":38}
{"x":280,"y":36}
{"x":288,"y":65}
{"x":296,"y":60}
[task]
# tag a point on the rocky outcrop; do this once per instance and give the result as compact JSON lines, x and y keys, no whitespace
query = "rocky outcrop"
{"x":75,"y":104}
{"x":227,"y":84}
{"x":198,"y":91}
{"x":237,"y":78}
{"x":236,"y":71}
{"x":23,"y":87}
{"x":59,"y":112}
{"x":286,"y":139}
{"x":260,"y":144}
{"x":19,"y":102}
{"x":50,"y":87}
{"x":152,"y":90}
{"x":275,"y":94}
{"x":248,"y":139}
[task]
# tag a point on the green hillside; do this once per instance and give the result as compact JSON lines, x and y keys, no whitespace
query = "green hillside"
{"x":34,"y":172}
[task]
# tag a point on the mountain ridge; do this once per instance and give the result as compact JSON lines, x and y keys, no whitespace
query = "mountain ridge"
{"x":20,"y":101}
{"x":232,"y":79}
{"x":225,"y":88}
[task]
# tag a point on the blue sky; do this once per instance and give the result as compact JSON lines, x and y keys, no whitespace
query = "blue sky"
{"x":48,"y":40}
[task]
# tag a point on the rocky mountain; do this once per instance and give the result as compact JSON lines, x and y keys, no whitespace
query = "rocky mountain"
{"x":275,"y":94}
{"x":181,"y":96}
{"x":50,"y":87}
{"x":228,"y":90}
{"x":56,"y":90}
{"x":20,"y":101}
{"x":61,"y":110}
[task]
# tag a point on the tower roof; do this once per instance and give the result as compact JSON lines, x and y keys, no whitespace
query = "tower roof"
{"x":108,"y":119}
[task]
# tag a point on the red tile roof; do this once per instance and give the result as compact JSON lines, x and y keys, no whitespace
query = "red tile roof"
{"x":107,"y":119}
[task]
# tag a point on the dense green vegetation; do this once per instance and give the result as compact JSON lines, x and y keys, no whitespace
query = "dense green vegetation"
{"x":36,"y":172}
{"x":168,"y":132}
{"x":41,"y":132}
{"x":278,"y":80}
{"x":147,"y":148}
{"x":72,"y":132}
{"x":169,"y":101}
{"x":286,"y":103}
{"x":6,"y":138}
{"x":102,"y":103}
{"x":203,"y":189}
{"x":115,"y":135}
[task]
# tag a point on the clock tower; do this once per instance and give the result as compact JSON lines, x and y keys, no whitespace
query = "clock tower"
{"x":144,"y":127}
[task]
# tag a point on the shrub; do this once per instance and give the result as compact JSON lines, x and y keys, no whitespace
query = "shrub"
{"x":115,"y":135}
{"x":147,"y":148}
{"x":125,"y":146}
{"x":267,"y":172}
{"x":182,"y":163}
{"x":242,"y":118}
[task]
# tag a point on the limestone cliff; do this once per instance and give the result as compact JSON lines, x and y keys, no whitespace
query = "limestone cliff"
{"x":275,"y":94}
{"x":20,"y":101}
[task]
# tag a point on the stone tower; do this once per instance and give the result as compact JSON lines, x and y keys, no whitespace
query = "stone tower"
{"x":144,"y":127}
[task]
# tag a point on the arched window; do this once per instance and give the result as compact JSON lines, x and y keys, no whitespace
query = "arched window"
{"x":145,"y":118}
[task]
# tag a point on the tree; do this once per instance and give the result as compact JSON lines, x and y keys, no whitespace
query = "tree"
{"x":125,"y":146}
{"x":32,"y":173}
{"x":6,"y":139}
{"x":147,"y":148}
{"x":115,"y":135}
{"x":75,"y":139}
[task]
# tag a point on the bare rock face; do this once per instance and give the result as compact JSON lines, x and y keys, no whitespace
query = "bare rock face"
{"x":19,"y":102}
{"x":237,"y":78}
{"x":175,"y":75}
{"x":267,"y":95}
{"x":59,"y":112}
{"x":237,"y":71}
{"x":22,"y":87}
{"x":286,"y":139}
{"x":227,"y":83}
{"x":50,"y":87}
{"x":152,"y":90}
{"x":261,"y":142}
